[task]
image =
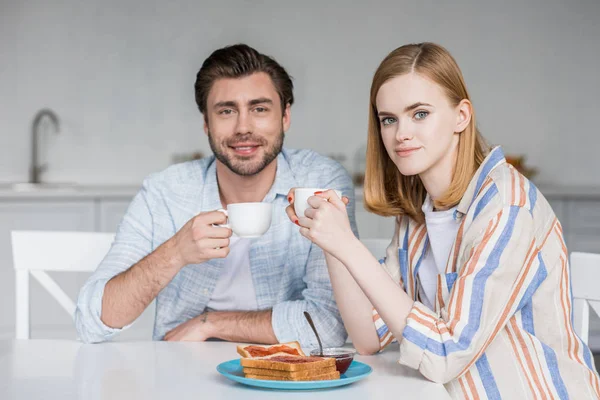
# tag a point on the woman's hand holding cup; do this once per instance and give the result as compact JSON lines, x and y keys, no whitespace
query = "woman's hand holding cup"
{"x":321,"y":215}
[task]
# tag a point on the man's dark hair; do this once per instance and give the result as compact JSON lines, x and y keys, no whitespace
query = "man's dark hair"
{"x":238,"y":61}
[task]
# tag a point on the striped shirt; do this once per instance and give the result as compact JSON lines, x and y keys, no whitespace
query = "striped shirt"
{"x":502,"y":325}
{"x":288,"y":271}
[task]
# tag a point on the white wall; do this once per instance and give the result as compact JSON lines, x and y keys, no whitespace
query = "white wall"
{"x":120,"y":75}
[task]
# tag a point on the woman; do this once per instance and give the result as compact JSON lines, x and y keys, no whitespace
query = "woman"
{"x":483,"y":303}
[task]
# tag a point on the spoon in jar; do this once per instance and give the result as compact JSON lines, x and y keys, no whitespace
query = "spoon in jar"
{"x":312,"y":325}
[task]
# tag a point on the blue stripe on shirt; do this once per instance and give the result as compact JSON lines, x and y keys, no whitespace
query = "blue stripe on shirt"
{"x":487,"y":378}
{"x":492,"y":191}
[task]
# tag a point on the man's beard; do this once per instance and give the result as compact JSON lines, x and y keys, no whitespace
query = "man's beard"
{"x":242,"y":165}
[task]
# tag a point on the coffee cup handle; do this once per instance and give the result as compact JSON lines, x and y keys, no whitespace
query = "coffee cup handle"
{"x":225,"y":225}
{"x":226,"y":215}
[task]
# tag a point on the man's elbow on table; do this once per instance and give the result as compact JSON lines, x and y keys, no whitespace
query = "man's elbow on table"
{"x":87,"y":328}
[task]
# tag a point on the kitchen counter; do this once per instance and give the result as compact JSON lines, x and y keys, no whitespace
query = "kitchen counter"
{"x":74,"y":191}
{"x":68,"y":191}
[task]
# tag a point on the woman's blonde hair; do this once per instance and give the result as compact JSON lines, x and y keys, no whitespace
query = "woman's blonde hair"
{"x":388,"y":192}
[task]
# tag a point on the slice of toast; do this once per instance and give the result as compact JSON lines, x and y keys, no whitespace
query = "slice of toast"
{"x":322,"y":377}
{"x":288,"y":363}
{"x":290,"y":374}
{"x":267,"y":351}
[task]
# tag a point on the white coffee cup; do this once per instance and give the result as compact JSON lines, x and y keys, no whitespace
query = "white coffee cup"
{"x":248,"y":220}
{"x":301,"y":196}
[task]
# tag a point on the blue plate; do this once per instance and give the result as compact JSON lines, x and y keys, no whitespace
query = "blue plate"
{"x":234,"y":371}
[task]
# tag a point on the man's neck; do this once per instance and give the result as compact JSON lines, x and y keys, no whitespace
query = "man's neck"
{"x":234,"y":188}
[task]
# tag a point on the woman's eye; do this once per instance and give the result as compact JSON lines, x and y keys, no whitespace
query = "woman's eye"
{"x":421,"y":114}
{"x":388,"y":121}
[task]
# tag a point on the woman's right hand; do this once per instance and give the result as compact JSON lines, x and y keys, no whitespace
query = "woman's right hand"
{"x":291,"y":213}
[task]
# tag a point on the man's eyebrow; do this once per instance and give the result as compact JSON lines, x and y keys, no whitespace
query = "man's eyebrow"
{"x":227,"y":103}
{"x":260,"y":100}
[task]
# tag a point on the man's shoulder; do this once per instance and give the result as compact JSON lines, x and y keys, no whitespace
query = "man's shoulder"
{"x":305,"y":162}
{"x":186,"y":173}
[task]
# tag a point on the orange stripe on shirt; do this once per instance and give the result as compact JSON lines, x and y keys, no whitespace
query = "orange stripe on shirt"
{"x":528,"y":358}
{"x":439,"y":293}
{"x":463,"y":387}
{"x":512,"y":185}
{"x":563,"y":245}
{"x":428,"y":324}
{"x":411,"y":262}
{"x":469,"y":378}
{"x":565,"y":303}
{"x":473,"y":262}
{"x":413,"y":233}
{"x":390,"y":339}
{"x":549,"y":389}
{"x":457,"y":243}
{"x":516,"y":351}
{"x":522,"y":187}
{"x":549,"y":232}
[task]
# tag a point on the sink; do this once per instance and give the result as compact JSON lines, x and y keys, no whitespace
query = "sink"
{"x":35,"y":187}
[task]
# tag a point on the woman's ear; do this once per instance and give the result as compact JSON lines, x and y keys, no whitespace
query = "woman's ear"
{"x":463,"y":116}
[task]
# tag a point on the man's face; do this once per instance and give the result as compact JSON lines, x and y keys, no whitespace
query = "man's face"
{"x":244,"y":122}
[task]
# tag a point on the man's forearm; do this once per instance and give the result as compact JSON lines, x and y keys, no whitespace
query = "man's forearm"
{"x":242,"y":326}
{"x":128,"y":294}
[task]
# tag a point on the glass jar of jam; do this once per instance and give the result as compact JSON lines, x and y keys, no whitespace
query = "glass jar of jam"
{"x":343,"y":356}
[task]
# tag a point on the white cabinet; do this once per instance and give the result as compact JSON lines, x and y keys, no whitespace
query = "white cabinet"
{"x":39,"y":215}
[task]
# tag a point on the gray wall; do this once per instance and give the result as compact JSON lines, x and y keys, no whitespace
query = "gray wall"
{"x":120,"y":75}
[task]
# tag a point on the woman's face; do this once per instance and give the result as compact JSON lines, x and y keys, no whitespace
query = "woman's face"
{"x":419,"y":127}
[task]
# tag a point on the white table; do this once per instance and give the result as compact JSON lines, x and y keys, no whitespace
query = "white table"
{"x":54,"y":369}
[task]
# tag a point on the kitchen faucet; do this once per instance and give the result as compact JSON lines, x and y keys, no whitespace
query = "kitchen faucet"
{"x":35,"y":170}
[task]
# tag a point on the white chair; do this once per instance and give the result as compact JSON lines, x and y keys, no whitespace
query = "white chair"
{"x":585,"y":275}
{"x":35,"y":252}
{"x":377,"y":247}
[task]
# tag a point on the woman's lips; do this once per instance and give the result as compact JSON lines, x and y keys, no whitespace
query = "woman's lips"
{"x":407,"y":151}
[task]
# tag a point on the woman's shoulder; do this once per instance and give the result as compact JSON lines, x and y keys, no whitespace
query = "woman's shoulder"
{"x":505,"y":187}
{"x":508,"y":196}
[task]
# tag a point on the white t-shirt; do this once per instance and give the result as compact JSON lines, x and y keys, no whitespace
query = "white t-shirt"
{"x":234,"y":290}
{"x":441,"y":230}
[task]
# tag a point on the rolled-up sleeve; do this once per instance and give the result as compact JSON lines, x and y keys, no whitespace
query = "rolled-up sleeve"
{"x":133,"y":241}
{"x":288,"y":319}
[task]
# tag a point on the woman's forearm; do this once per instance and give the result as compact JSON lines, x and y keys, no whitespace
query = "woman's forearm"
{"x":356,"y":310}
{"x":373,"y":282}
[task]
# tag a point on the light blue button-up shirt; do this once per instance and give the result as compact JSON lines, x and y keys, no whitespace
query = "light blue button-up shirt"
{"x":288,"y":271}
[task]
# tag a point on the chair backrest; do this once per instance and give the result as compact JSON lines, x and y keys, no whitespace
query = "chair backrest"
{"x":585,"y":275}
{"x":35,"y":252}
{"x":377,"y":247}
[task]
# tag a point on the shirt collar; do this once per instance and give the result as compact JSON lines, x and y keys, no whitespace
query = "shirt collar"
{"x":494,"y":159}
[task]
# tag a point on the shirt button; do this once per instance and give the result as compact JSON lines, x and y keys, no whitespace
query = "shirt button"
{"x":205,"y":291}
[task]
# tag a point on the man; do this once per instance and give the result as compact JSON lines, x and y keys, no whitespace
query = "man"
{"x":168,"y":246}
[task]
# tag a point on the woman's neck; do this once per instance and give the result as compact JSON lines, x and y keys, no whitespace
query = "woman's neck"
{"x":438,"y":177}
